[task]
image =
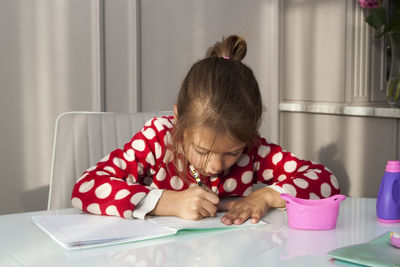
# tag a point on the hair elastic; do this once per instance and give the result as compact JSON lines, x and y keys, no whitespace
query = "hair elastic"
{"x":226,"y":57}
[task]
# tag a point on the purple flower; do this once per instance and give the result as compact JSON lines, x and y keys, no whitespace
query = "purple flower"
{"x":370,"y":4}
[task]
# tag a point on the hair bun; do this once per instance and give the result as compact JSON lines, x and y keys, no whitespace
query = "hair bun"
{"x":233,"y":47}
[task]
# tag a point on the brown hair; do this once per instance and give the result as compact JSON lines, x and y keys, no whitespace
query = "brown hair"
{"x":221,"y":93}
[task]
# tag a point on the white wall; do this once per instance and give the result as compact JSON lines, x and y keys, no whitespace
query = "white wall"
{"x":48,"y":53}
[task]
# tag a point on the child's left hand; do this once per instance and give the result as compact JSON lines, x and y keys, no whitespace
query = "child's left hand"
{"x":254,"y":206}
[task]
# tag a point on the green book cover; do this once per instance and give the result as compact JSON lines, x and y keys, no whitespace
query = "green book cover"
{"x":377,"y":252}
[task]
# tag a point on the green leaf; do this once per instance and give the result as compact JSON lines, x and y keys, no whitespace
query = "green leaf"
{"x":376,"y":17}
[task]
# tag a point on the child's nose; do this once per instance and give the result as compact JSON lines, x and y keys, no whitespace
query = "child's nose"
{"x":215,"y":164}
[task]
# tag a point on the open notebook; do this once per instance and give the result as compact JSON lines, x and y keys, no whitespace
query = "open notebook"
{"x":79,"y":231}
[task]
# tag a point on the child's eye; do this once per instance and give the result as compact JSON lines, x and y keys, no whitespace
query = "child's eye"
{"x":235,"y":154}
{"x":201,"y":152}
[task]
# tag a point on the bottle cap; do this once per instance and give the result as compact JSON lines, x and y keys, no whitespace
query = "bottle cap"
{"x":393,"y":166}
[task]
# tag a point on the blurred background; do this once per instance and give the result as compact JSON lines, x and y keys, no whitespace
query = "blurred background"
{"x":320,"y":70}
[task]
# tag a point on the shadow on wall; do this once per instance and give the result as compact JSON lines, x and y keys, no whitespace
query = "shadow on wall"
{"x":328,"y":156}
{"x":40,"y":195}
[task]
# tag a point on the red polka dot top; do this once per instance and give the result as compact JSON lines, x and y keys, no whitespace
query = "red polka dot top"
{"x":118,"y":182}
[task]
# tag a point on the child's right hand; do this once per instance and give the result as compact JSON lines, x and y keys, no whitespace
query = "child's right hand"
{"x":194,"y":203}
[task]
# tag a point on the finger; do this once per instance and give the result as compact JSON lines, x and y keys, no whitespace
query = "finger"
{"x":226,"y":220}
{"x":225,"y":206}
{"x":210,"y":196}
{"x":256,"y":216}
{"x":204,"y":213}
{"x":209,"y":207}
{"x":242,"y":217}
{"x":229,"y":217}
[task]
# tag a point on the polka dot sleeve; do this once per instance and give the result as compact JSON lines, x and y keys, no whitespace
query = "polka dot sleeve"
{"x":284,"y":172}
{"x":117,"y":183}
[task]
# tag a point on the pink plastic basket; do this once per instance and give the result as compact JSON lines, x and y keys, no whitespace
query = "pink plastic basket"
{"x":312,"y":214}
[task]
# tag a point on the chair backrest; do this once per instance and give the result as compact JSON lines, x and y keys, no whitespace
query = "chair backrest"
{"x":82,"y":139}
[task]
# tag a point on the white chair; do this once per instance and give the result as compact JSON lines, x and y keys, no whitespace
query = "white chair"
{"x":83,"y":138}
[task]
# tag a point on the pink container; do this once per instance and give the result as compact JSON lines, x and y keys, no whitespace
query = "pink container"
{"x":312,"y":214}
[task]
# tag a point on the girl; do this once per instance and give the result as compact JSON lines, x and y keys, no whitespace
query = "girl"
{"x":183,"y":164}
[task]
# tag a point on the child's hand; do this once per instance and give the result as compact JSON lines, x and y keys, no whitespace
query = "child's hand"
{"x":194,"y":203}
{"x":254,"y":206}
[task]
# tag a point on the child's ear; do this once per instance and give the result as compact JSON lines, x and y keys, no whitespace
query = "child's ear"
{"x":175,"y":113}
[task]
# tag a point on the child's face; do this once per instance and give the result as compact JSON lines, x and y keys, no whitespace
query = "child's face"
{"x":211,"y":154}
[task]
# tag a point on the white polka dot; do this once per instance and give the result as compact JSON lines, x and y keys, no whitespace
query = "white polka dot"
{"x":281,"y":177}
{"x":128,"y":214}
{"x":290,"y":166}
{"x":300,"y":183}
{"x":311,"y":175}
{"x":176,"y":183}
{"x":179,"y":165}
{"x":334,"y":182}
{"x":129,"y":155}
{"x":313,"y":196}
{"x":167,"y":138}
{"x":160,"y":176}
{"x":120,"y":163}
{"x":102,"y":173}
{"x":136,"y":198}
{"x":107,"y":157}
{"x":121,"y":194}
{"x":91,"y":168}
{"x":247,"y":177}
{"x":315,"y":170}
{"x":267,"y":174}
{"x":112,"y":211}
{"x":263,"y":151}
{"x":131,"y":179}
{"x":303,"y":168}
{"x":140,"y":168}
{"x":256,"y":166}
{"x":94,"y":208}
{"x":243,"y":160}
{"x":150,"y":159}
{"x":148,"y":123}
{"x":168,"y":156}
{"x":139,"y":145}
{"x":290,"y":189}
{"x":76,"y":203}
{"x":110,"y":169}
{"x":103,"y":191}
{"x":230,"y":185}
{"x":325,"y":190}
{"x":83,"y":176}
{"x":213,"y":178}
{"x":277,"y":158}
{"x":248,"y":191}
{"x":166,"y":122}
{"x":149,"y":133}
{"x":86,"y":186}
{"x":158,"y":125}
{"x":158,"y":151}
{"x":214,"y":189}
{"x":116,"y":179}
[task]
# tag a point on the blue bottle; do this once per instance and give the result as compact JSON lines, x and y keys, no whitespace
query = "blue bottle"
{"x":388,"y":202}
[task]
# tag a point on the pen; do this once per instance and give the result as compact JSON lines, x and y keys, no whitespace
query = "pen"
{"x":196,"y":175}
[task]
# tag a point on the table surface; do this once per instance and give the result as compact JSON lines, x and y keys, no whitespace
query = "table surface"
{"x":273,"y":244}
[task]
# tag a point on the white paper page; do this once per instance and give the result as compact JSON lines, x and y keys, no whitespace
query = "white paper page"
{"x":85,"y":228}
{"x":206,"y":223}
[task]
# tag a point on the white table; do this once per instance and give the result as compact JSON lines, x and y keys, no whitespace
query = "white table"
{"x":274,"y":244}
